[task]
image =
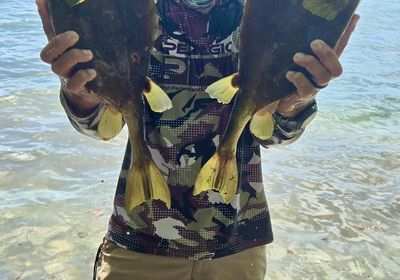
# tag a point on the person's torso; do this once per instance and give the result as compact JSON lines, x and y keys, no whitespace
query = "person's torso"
{"x":193,"y":50}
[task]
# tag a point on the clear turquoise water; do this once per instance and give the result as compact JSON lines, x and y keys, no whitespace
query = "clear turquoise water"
{"x":334,"y":195}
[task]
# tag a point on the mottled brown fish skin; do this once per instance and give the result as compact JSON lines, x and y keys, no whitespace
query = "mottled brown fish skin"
{"x":120,"y":41}
{"x":121,"y":35}
{"x":272,"y":31}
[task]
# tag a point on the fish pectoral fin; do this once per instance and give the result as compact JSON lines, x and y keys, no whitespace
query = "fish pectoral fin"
{"x":224,"y":89}
{"x":326,"y":9}
{"x":220,"y":174}
{"x":110,"y":124}
{"x":156,"y":97}
{"x":262,"y":124}
{"x":144,"y":184}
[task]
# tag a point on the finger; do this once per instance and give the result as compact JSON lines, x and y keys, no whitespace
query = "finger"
{"x":58,"y":45}
{"x":344,"y":40}
{"x":271,"y":108}
{"x":63,"y":65}
{"x":328,"y":57}
{"x":302,"y":84}
{"x":288,"y":105}
{"x":80,"y":78}
{"x":44,"y":16}
{"x":320,"y":75}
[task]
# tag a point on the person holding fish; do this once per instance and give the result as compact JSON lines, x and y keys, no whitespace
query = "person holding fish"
{"x":202,"y":111}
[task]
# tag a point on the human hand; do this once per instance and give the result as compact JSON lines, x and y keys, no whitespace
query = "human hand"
{"x":322,"y":70}
{"x":62,"y":57}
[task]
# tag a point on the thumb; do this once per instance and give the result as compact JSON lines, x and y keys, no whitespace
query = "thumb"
{"x":271,"y":108}
{"x":44,"y":16}
{"x":344,"y":40}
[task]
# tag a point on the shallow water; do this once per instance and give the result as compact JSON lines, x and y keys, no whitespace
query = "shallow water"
{"x":334,"y":195}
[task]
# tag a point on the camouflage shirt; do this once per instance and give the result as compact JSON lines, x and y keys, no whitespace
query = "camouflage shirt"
{"x":192,"y":51}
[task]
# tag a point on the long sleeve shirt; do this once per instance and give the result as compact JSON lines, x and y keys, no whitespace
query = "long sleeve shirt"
{"x":192,"y":51}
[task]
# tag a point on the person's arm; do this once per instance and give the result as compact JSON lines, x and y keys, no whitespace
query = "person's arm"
{"x":98,"y":121}
{"x":289,"y":129}
{"x":296,"y":111}
{"x":86,"y":115}
{"x":84,"y":121}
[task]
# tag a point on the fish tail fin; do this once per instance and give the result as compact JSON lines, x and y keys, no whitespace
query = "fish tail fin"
{"x":111,"y":123}
{"x":262,"y":124}
{"x":156,"y":97}
{"x":220,"y":174}
{"x":224,"y":89}
{"x":145,"y":183}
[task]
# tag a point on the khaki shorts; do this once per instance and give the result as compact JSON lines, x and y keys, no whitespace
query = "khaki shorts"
{"x":115,"y":263}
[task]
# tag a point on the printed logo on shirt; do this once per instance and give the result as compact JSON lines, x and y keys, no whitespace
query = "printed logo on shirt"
{"x":172,"y":46}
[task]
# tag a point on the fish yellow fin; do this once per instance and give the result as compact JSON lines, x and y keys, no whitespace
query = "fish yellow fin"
{"x":262,"y":125}
{"x":225,"y":89}
{"x":156,"y":97}
{"x":145,"y":183}
{"x":327,"y":9}
{"x":220,"y":174}
{"x":111,"y":123}
{"x":72,"y":3}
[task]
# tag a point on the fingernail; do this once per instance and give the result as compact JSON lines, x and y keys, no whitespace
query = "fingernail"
{"x":52,"y":49}
{"x":298,"y":57}
{"x":317,"y":44}
{"x":87,"y":53}
{"x":289,"y":75}
{"x":92,"y":73}
{"x":72,"y":35}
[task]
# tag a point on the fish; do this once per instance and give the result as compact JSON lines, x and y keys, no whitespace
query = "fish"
{"x":271,"y":32}
{"x":121,"y":35}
